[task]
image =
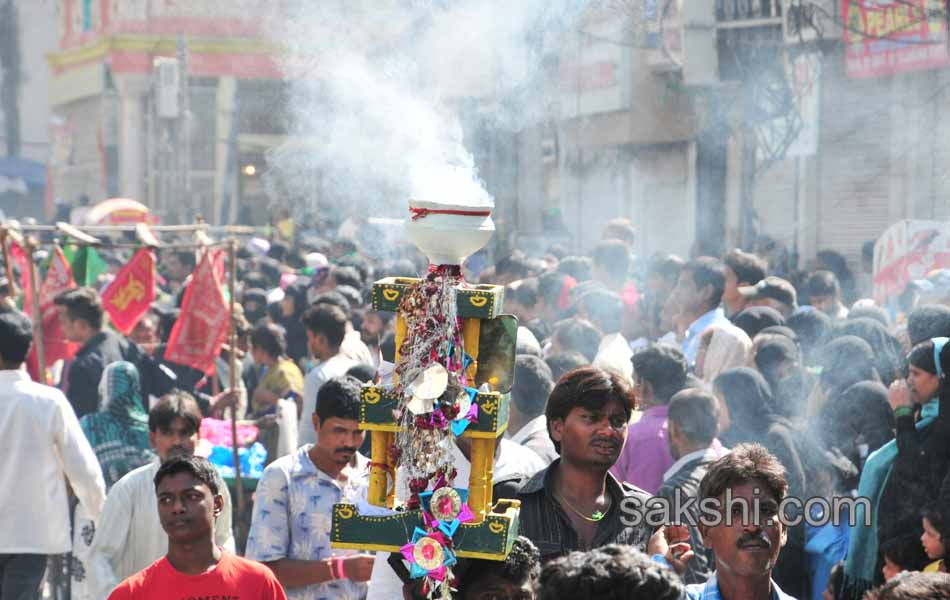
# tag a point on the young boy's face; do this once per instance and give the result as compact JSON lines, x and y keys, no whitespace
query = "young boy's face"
{"x":933,"y":544}
{"x":890,"y":570}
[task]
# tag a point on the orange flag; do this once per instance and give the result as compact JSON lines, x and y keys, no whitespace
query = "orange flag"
{"x":132,"y":291}
{"x":201,"y":329}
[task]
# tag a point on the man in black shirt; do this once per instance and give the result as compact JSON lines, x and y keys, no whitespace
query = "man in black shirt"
{"x":575,"y":504}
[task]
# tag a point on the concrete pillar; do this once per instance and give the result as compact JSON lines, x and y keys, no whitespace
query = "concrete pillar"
{"x":132,"y":139}
{"x":224,"y":178}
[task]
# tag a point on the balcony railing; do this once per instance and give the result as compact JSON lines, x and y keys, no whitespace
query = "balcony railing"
{"x":748,"y":12}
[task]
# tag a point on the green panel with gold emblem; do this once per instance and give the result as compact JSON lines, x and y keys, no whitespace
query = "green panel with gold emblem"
{"x":474,"y":302}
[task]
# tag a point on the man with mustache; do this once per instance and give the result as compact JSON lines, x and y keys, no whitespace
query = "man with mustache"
{"x":290,"y":528}
{"x":189,"y":502}
{"x":129,"y":536}
{"x":575,"y":503}
{"x":745,"y":541}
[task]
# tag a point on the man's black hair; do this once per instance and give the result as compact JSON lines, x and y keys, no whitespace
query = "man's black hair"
{"x":278,"y":251}
{"x":928,"y":321}
{"x":514,"y":265}
{"x":589,"y":388}
{"x":749,"y":268}
{"x":16,"y":335}
{"x":822,"y":283}
{"x":664,"y":366}
{"x":550,"y":287}
{"x":340,"y":398}
{"x":620,"y":229}
{"x":613,"y":256}
{"x":525,"y":293}
{"x":271,"y":270}
{"x":82,"y":304}
{"x":186,"y":258}
{"x":605,"y":310}
{"x":174,"y":405}
{"x":915,"y":586}
{"x":564,"y":362}
{"x":326,"y":319}
{"x":710,"y":271}
{"x":353,"y":297}
{"x":870,"y":312}
{"x":695,"y":412}
{"x":905,"y":551}
{"x":578,"y":335}
{"x":745,"y":463}
{"x":269,"y":338}
{"x":578,"y":267}
{"x":611,"y":572}
{"x":363,"y":372}
{"x":348,"y":276}
{"x":667,"y":266}
{"x":522,"y":565}
{"x":196,"y":466}
{"x":334,"y":298}
{"x":532,"y":384}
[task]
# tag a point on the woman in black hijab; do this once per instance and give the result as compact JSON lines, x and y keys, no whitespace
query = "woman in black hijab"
{"x":858,"y":421}
{"x":292,"y":308}
{"x":888,"y":354}
{"x":749,"y":417}
{"x":778,"y":359}
{"x":846,"y":361}
{"x":753,"y":320}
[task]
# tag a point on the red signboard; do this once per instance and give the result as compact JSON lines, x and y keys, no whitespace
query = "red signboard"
{"x":883,"y":37}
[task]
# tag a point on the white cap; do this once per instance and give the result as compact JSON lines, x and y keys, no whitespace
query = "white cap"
{"x":315,"y":260}
{"x":258,"y":246}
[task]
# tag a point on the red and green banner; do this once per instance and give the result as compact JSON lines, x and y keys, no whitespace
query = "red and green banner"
{"x":884,"y":37}
{"x":132,"y":291}
{"x":201,"y":329}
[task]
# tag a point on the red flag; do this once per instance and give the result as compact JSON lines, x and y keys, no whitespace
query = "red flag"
{"x":131,"y":292}
{"x":18,"y":256}
{"x":202,"y":327}
{"x":59,"y":278}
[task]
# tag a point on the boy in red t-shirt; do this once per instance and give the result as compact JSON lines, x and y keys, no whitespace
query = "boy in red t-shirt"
{"x":188,"y":504}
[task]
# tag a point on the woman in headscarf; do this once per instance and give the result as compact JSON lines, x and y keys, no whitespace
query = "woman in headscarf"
{"x":903,"y":474}
{"x":778,"y":359}
{"x":721,"y":347}
{"x":888,"y":354}
{"x":748,"y":416}
{"x":292,"y":308}
{"x":844,"y":362}
{"x":858,"y":421}
{"x":754,"y":319}
{"x":118,"y":434}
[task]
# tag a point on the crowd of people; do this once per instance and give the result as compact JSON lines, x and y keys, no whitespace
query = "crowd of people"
{"x":638,"y":383}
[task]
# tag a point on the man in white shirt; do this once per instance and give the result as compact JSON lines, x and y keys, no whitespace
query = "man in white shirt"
{"x":698,"y":293}
{"x":43,"y":447}
{"x":527,"y":424}
{"x":130,"y":536}
{"x":326,"y":328}
{"x":352,"y":346}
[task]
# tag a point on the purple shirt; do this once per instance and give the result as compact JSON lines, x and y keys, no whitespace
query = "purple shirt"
{"x":646,"y":455}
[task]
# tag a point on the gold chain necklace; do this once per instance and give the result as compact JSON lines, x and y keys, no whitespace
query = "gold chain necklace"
{"x":595,"y":517}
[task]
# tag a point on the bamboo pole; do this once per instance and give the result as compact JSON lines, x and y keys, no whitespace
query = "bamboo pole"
{"x":4,"y":239}
{"x":30,"y":248}
{"x":232,"y":364}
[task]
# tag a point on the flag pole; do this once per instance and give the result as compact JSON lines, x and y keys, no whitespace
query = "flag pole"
{"x":5,"y":240}
{"x":232,"y":364}
{"x":30,"y":247}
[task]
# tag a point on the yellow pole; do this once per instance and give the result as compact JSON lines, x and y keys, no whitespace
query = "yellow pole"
{"x":380,"y":492}
{"x":483,"y":450}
